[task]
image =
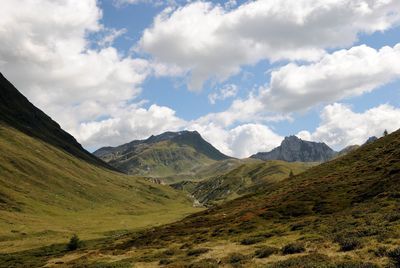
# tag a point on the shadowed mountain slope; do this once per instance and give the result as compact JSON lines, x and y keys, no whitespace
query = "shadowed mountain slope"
{"x":17,"y":112}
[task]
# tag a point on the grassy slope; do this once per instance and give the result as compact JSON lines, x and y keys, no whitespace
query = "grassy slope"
{"x":353,"y":200}
{"x":163,"y":159}
{"x":47,"y":194}
{"x":243,"y":180}
{"x":172,"y":156}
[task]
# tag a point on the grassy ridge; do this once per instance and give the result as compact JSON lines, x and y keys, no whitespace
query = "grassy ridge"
{"x":244,"y":179}
{"x":47,"y":194}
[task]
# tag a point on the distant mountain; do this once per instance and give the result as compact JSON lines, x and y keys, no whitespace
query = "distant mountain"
{"x":370,"y":140}
{"x":17,"y":112}
{"x":293,"y":149}
{"x":168,"y":154}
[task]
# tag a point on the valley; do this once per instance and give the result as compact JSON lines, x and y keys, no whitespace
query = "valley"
{"x":174,"y":200}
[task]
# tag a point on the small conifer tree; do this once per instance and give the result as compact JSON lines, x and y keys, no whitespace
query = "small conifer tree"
{"x":385,"y":133}
{"x":74,"y":243}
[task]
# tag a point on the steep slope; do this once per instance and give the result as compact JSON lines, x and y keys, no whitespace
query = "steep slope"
{"x":240,"y":181}
{"x":293,"y":149}
{"x":16,"y":111}
{"x":343,"y":213}
{"x":51,"y":188}
{"x":168,"y":154}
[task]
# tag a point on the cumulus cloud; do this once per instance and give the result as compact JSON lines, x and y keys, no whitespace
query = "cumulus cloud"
{"x":213,"y":42}
{"x":241,"y":141}
{"x":227,"y":91}
{"x":341,"y":127}
{"x":345,"y":73}
{"x":131,"y":124}
{"x":45,"y":52}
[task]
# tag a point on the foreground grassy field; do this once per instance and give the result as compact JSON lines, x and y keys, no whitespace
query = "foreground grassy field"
{"x":46,"y":195}
{"x":343,"y":213}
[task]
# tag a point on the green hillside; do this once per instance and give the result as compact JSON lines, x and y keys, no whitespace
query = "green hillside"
{"x":47,"y":194}
{"x":50,"y":187}
{"x":244,"y":179}
{"x":170,"y":156}
{"x":343,"y":213}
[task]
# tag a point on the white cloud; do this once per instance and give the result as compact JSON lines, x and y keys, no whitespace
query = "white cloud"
{"x":343,"y":74}
{"x":241,"y":141}
{"x":210,"y":41}
{"x":341,"y":127}
{"x":227,"y":91}
{"x":132,"y":123}
{"x":45,"y":52}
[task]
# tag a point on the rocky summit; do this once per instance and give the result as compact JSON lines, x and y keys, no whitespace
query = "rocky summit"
{"x":293,"y":149}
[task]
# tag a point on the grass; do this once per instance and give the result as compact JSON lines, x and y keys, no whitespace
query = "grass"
{"x":343,"y":213}
{"x":46,"y":195}
{"x":244,"y":180}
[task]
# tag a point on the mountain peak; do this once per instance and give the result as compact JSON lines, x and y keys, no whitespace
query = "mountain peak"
{"x":169,"y":153}
{"x":294,"y":149}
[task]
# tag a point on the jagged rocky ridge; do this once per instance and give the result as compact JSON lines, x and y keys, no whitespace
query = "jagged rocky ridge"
{"x":293,"y":149}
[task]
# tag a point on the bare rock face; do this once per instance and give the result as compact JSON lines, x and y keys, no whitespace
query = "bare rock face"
{"x":293,"y":149}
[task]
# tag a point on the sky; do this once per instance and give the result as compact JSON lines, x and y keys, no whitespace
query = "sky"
{"x":244,"y":74}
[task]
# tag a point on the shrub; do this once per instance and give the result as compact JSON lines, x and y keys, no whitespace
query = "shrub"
{"x":74,"y":243}
{"x":251,"y":240}
{"x":348,"y":244}
{"x":311,"y":260}
{"x":380,"y":252}
{"x":394,"y":256}
{"x":293,"y":248}
{"x":205,"y":263}
{"x":265,"y":252}
{"x":197,"y":252}
{"x":236,"y":258}
{"x":164,"y":262}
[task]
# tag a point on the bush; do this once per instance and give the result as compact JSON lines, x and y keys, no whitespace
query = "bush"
{"x":394,"y":256}
{"x":265,"y":252}
{"x":293,"y":248}
{"x":236,"y":258}
{"x":197,"y":252}
{"x":380,"y":252}
{"x":251,"y":240}
{"x":205,"y":263}
{"x":164,"y":262}
{"x":74,"y":243}
{"x":348,"y":244}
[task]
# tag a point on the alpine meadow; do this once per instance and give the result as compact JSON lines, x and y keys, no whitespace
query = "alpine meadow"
{"x":200,"y":134}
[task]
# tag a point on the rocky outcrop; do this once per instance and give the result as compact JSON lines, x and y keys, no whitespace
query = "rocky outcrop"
{"x":293,"y":149}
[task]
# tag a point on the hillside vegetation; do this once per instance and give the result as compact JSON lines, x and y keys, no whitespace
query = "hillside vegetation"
{"x":245,"y":179}
{"x":50,"y":187}
{"x":343,"y":213}
{"x":47,"y":194}
{"x":170,"y":156}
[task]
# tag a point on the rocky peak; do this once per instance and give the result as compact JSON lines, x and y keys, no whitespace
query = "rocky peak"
{"x":294,"y":149}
